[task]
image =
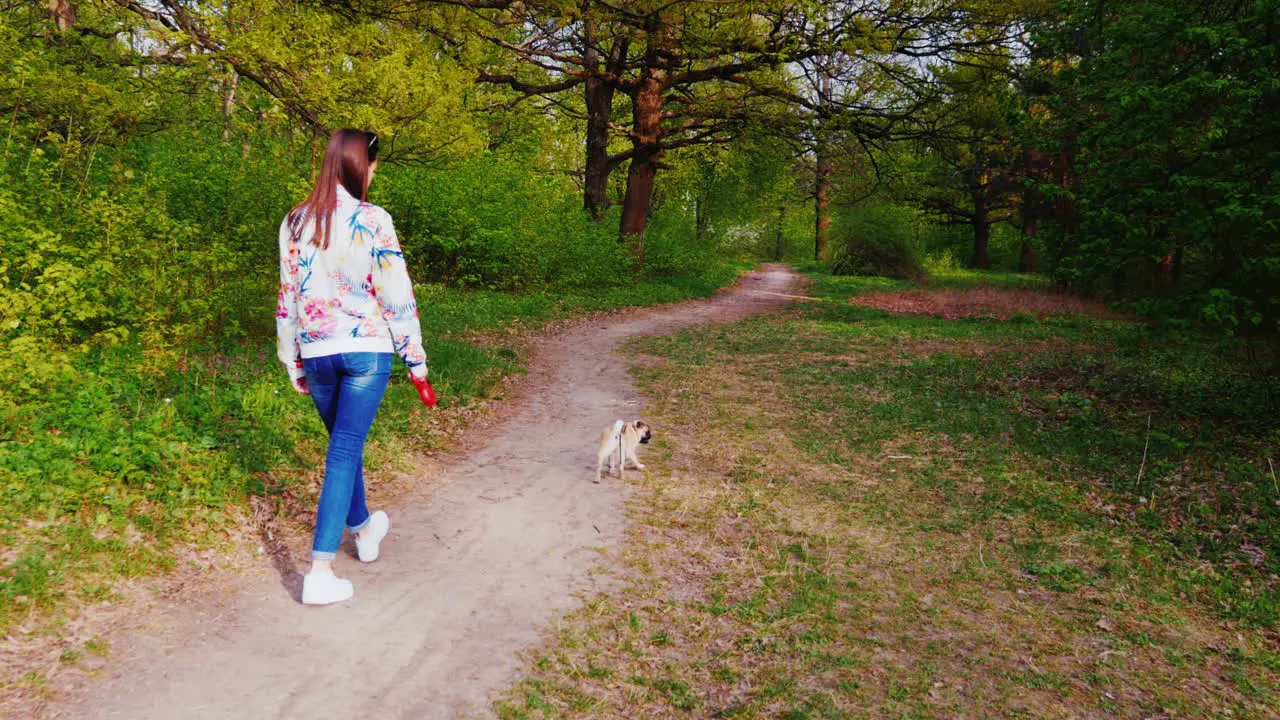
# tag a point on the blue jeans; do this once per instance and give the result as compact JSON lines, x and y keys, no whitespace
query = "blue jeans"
{"x":347,"y":389}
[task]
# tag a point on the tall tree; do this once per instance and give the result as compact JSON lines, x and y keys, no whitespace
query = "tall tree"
{"x":323,"y":70}
{"x":683,"y":66}
{"x":977,"y":176}
{"x":875,"y":87}
{"x":1166,"y":109}
{"x":835,"y":130}
{"x":695,"y":72}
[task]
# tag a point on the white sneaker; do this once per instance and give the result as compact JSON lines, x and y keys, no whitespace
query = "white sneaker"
{"x":367,"y":545}
{"x":325,"y":588}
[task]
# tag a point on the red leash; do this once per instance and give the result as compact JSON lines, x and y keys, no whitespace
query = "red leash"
{"x":426,"y":393}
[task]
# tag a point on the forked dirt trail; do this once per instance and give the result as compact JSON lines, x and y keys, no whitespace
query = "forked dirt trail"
{"x":470,"y":571}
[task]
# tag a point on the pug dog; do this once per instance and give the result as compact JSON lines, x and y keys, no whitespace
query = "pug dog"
{"x":619,"y":442}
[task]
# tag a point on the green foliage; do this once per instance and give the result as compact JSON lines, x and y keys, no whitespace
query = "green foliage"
{"x":107,"y":467}
{"x":157,"y":246}
{"x":1165,"y":112}
{"x":970,"y":172}
{"x":741,"y":198}
{"x":140,"y":402}
{"x":950,"y":247}
{"x":488,"y":223}
{"x":1169,"y":439}
{"x":878,"y":240}
{"x":672,"y":246}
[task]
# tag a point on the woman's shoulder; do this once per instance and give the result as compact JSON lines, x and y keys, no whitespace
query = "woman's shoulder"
{"x":375,"y":209}
{"x":374,"y":212}
{"x":289,"y":226}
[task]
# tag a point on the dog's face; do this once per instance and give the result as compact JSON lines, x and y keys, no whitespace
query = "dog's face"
{"x":645,"y":433}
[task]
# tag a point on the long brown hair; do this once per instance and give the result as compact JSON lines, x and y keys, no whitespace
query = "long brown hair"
{"x":346,"y":161}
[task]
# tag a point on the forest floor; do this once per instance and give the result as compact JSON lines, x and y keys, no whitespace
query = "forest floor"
{"x":895,"y":500}
{"x":489,"y":548}
{"x":971,"y":498}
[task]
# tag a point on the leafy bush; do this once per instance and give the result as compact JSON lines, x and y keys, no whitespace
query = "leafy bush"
{"x":140,"y":400}
{"x":858,"y":256}
{"x":1161,"y":108}
{"x":488,"y":222}
{"x":877,"y":240}
{"x":941,"y":262}
{"x":672,"y":247}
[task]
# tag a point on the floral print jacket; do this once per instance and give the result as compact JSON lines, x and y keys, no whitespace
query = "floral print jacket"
{"x":354,"y":296}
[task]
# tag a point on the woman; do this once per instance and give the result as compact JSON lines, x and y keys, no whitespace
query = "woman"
{"x":345,"y":306}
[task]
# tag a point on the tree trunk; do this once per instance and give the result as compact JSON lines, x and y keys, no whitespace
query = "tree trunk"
{"x":599,"y":97}
{"x":64,"y":14}
{"x":981,"y":259}
{"x":646,"y":138}
{"x":1027,"y":260}
{"x":701,"y":219}
{"x":1030,"y":226}
{"x":599,"y":102}
{"x":1164,"y":274}
{"x":823,"y":171}
{"x":777,"y":238}
{"x":1065,"y":206}
{"x":1169,"y":271}
{"x":229,"y":101}
{"x":635,"y":205}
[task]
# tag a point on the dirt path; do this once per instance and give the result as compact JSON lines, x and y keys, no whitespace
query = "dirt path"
{"x":470,"y":572}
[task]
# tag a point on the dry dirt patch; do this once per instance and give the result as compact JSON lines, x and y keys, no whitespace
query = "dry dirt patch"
{"x":984,"y":302}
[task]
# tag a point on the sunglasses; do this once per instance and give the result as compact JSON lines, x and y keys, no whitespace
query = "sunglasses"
{"x":373,"y":147}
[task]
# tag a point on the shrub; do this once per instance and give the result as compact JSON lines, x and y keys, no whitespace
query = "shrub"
{"x":877,"y":240}
{"x":878,"y":257}
{"x":490,"y":223}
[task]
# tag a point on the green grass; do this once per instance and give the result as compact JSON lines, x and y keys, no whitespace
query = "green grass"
{"x":1082,"y":412}
{"x":851,"y":513}
{"x":959,"y":278}
{"x":450,"y":312}
{"x":101,"y":478}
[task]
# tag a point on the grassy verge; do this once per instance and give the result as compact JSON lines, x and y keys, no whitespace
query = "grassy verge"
{"x":106,"y":478}
{"x":853,"y":513}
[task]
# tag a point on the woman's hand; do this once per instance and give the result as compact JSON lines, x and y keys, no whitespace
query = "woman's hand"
{"x":300,"y":384}
{"x":426,"y":393}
